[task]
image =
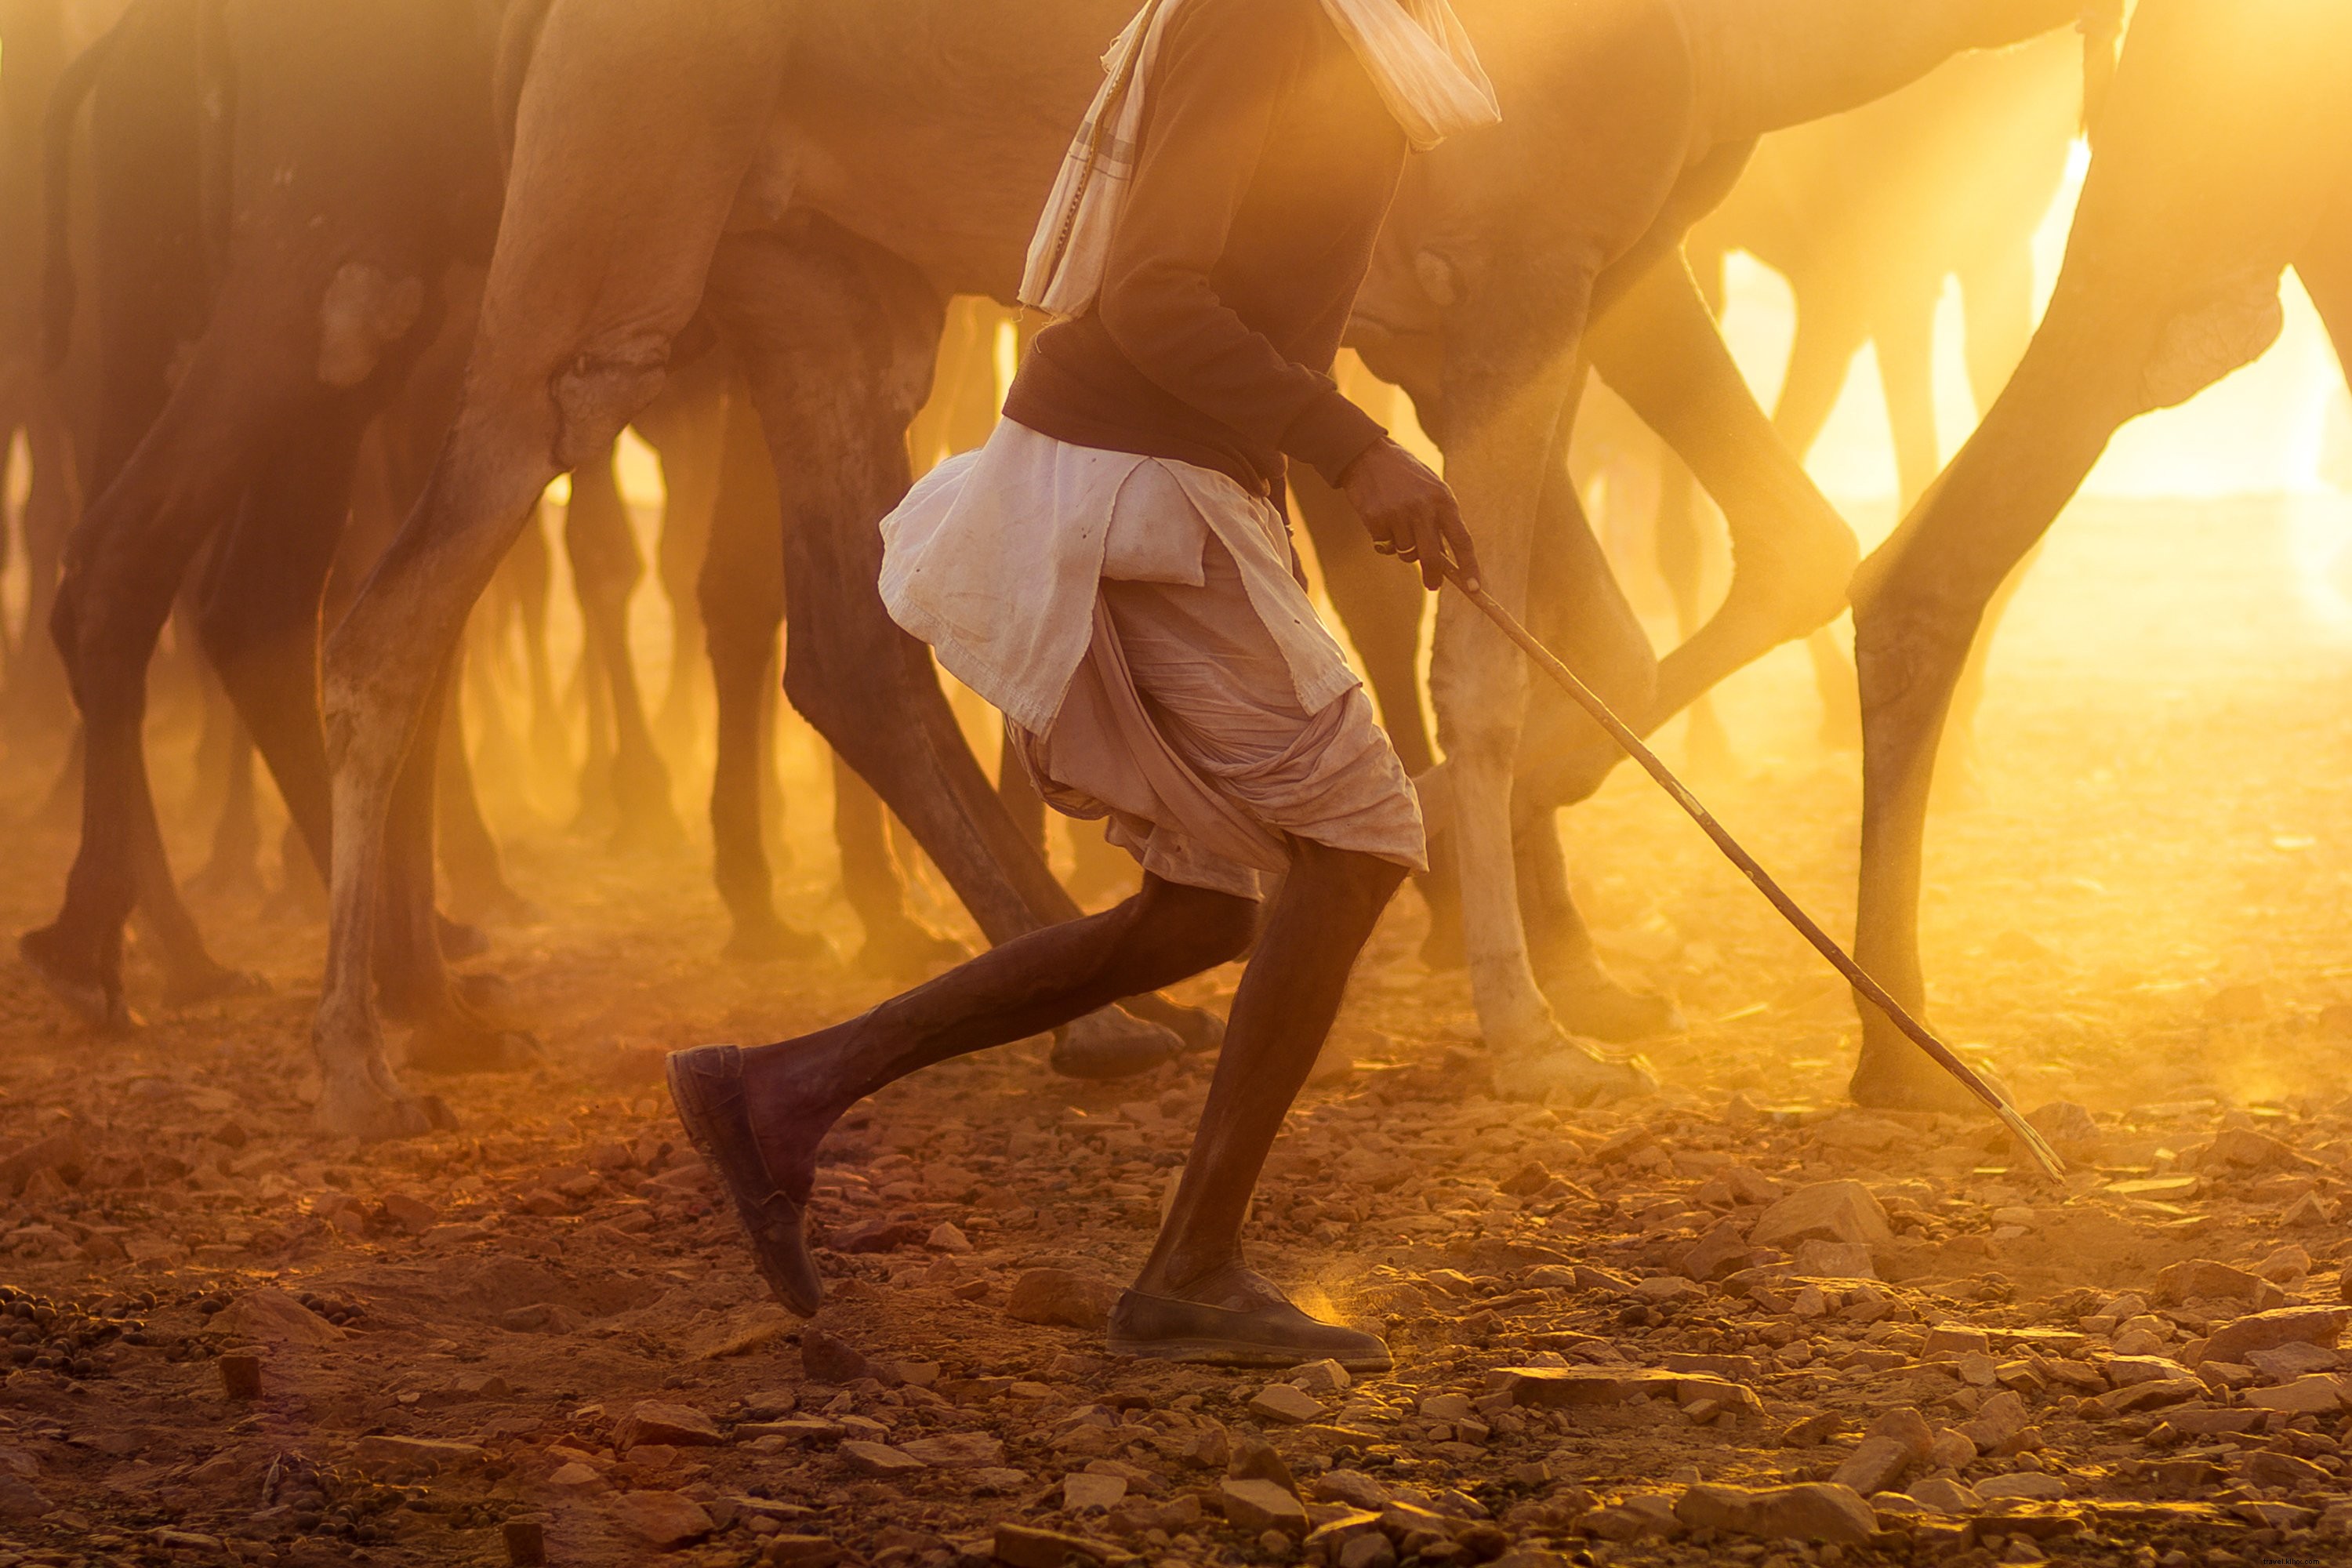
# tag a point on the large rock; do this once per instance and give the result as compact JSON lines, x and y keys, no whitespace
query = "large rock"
{"x":1998,"y":1419}
{"x":1062,"y":1296}
{"x":1896,"y":1441}
{"x":678,"y":1426}
{"x":2318,"y":1394}
{"x":2248,"y":1150}
{"x":1282,"y":1402}
{"x":1875,"y":1466}
{"x":1826,"y":1210}
{"x":1723,"y":1250}
{"x":2201,"y":1279}
{"x":274,"y":1318}
{"x":1257,"y":1506}
{"x":829,"y":1358}
{"x":664,"y":1520}
{"x":2236,"y":1341}
{"x":869,"y":1458}
{"x":1814,"y":1512}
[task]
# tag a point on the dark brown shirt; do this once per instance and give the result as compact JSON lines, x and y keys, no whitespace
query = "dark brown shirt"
{"x":1267,"y":164}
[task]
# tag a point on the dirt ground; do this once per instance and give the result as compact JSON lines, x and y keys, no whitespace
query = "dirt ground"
{"x":2137,"y":917}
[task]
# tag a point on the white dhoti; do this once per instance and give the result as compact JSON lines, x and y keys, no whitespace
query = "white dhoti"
{"x":1157,"y":661}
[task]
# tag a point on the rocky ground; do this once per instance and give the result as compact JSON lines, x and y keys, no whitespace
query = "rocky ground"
{"x":1736,"y":1323}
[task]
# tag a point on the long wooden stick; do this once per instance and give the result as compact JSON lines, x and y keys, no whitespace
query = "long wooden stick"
{"x":1858,"y":977}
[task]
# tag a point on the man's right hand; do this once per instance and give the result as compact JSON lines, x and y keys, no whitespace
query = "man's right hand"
{"x":1409,"y":513}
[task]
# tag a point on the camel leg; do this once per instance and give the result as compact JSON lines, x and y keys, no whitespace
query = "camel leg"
{"x":1506,"y":429}
{"x":529,"y":570}
{"x":1912,"y":635}
{"x":123,"y":568}
{"x":809,"y":318}
{"x":470,"y":856}
{"x":578,"y":316}
{"x":742,"y":608}
{"x":1830,"y":332}
{"x":1998,"y":300}
{"x":233,"y":866}
{"x":898,"y":946}
{"x":606,"y":568}
{"x":1575,"y":605}
{"x":687,"y":427}
{"x":2198,"y":195}
{"x":1791,"y":553}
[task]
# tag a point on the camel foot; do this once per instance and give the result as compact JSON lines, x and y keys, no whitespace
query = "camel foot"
{"x":774,"y":941}
{"x":1200,"y":1029}
{"x":1108,"y":1044}
{"x":1590,"y":1003}
{"x":1899,"y":1076}
{"x":462,"y":1041}
{"x":459,"y":940}
{"x":491,"y":995}
{"x":905,"y":949}
{"x":210,"y":983}
{"x":1565,"y":1072}
{"x":361,"y":1105}
{"x":94,"y":997}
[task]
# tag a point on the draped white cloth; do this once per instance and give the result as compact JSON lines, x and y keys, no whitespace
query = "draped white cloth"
{"x":1415,"y":51}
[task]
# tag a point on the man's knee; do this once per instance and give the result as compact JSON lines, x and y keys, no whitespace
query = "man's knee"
{"x":1203,"y":928}
{"x":1373,"y":879}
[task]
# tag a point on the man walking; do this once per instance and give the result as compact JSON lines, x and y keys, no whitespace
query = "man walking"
{"x":1113,"y":570}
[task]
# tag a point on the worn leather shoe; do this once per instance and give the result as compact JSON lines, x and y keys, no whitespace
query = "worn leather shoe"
{"x":1272,"y":1333}
{"x":707,"y":1085}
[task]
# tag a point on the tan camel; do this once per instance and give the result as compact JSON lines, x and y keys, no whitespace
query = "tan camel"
{"x":1866,"y":215}
{"x":817,"y":188}
{"x":2223,"y":158}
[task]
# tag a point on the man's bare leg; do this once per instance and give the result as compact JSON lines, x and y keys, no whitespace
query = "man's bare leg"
{"x":1195,"y":1298}
{"x":784,"y":1098}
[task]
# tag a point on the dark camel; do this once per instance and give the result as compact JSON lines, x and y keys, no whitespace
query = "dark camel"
{"x":2223,"y":158}
{"x":831,"y":187}
{"x":295,"y":347}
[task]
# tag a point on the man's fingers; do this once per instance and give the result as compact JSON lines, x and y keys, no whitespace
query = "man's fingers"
{"x":1458,"y":545}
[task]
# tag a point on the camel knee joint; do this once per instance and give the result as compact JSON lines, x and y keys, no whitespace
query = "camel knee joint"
{"x":599,"y":392}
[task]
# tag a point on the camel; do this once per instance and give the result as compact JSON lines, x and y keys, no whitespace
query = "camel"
{"x":2223,"y":157}
{"x":294,"y":352}
{"x":1496,"y":384}
{"x":831,"y":186}
{"x":1865,"y":215}
{"x":260,"y":591}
